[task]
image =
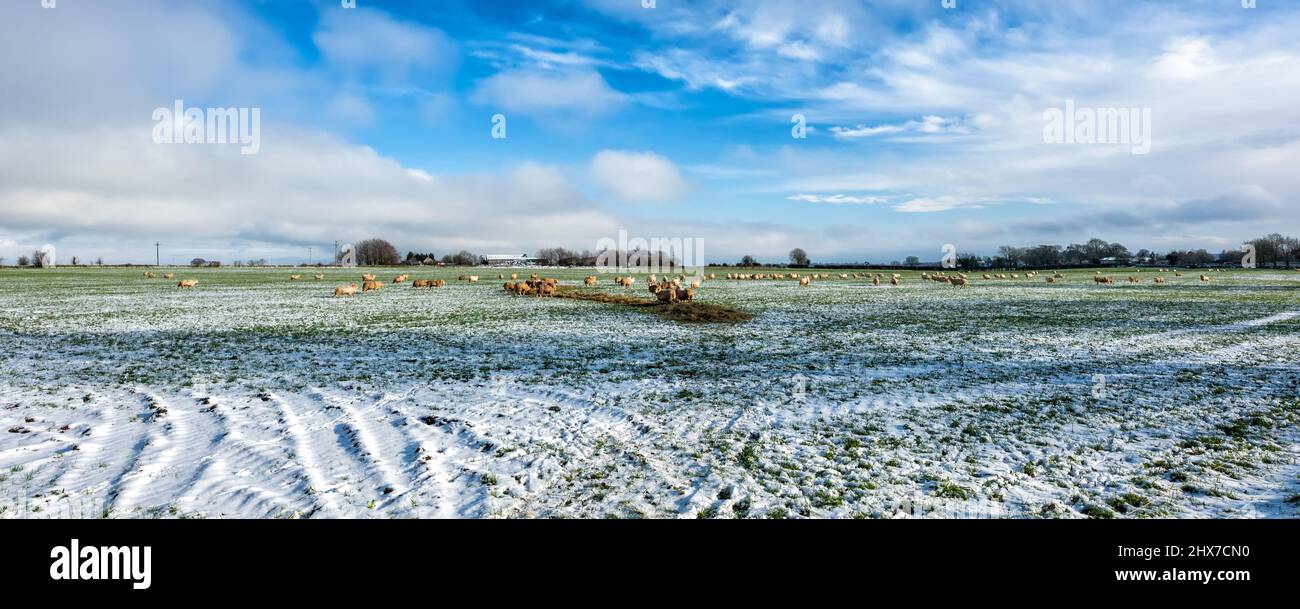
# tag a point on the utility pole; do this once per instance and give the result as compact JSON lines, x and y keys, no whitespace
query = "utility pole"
{"x":336,"y":252}
{"x":309,"y":256}
{"x":157,"y":253}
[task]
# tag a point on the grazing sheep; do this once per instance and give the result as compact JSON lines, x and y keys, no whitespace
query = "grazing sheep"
{"x":1051,"y":280}
{"x":804,"y":281}
{"x":167,"y":276}
{"x":295,"y":278}
{"x":986,"y":276}
{"x":695,"y":285}
{"x":318,"y":276}
{"x":1101,"y":279}
{"x":1134,"y":279}
{"x":422,"y":283}
{"x":959,"y":282}
{"x":401,"y":278}
{"x":629,"y":281}
{"x":367,"y":277}
{"x":667,"y":296}
{"x":473,"y":279}
{"x":686,"y":294}
{"x":875,"y":280}
{"x":371,"y":286}
{"x":894,"y":280}
{"x":590,"y":280}
{"x":1160,"y":279}
{"x":149,"y":275}
{"x":1178,"y":274}
{"x":1205,"y":278}
{"x":347,"y":290}
{"x":188,"y":283}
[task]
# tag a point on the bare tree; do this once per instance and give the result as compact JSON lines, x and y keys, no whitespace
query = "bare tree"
{"x":377,"y":252}
{"x":24,"y":261}
{"x":798,"y":257}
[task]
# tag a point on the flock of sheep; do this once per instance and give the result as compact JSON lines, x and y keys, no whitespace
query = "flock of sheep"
{"x":670,"y":290}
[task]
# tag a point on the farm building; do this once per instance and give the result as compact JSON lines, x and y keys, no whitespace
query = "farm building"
{"x":510,"y":260}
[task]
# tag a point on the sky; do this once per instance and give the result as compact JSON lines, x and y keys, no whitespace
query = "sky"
{"x":921,"y":125}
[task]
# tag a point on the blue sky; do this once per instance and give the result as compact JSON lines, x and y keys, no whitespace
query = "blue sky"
{"x":925,"y":125}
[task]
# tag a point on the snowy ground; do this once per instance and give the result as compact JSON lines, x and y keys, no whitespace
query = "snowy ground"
{"x":253,"y":396}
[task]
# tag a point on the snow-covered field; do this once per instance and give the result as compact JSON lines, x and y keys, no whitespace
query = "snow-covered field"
{"x":254,"y":396}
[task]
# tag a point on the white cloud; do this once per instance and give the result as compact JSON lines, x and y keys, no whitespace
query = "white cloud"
{"x":637,"y":177}
{"x":572,"y":94}
{"x":838,"y":199}
{"x":303,"y":187}
{"x":941,"y":203}
{"x":363,"y":43}
{"x":927,"y":125}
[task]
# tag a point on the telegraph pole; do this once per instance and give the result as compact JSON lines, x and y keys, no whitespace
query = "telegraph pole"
{"x":157,"y":253}
{"x":336,"y":252}
{"x":308,"y":256}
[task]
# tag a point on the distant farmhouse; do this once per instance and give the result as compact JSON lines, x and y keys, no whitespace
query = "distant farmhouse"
{"x":510,"y":260}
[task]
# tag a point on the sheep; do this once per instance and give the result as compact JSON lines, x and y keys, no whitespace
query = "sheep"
{"x":187,"y":283}
{"x":804,"y":281}
{"x":1160,"y":279}
{"x":149,"y":275}
{"x":629,"y":281}
{"x":1051,"y":280}
{"x":686,"y":294}
{"x":844,"y":276}
{"x":371,"y":286}
{"x":986,"y":276}
{"x":1205,"y":278}
{"x":295,"y":278}
{"x":1178,"y":274}
{"x":1102,"y":279}
{"x":318,"y":276}
{"x":166,"y":276}
{"x":514,"y":276}
{"x":422,"y":283}
{"x":590,"y":280}
{"x":875,"y":280}
{"x":367,"y":277}
{"x":473,"y":279}
{"x":695,"y":285}
{"x":894,"y":280}
{"x":347,"y":290}
{"x":667,"y":296}
{"x":1134,"y":279}
{"x":959,"y":282}
{"x":401,"y":278}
